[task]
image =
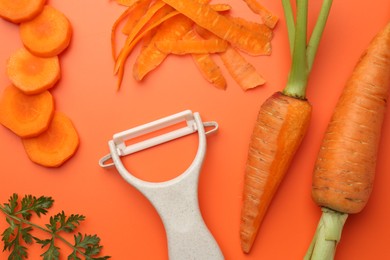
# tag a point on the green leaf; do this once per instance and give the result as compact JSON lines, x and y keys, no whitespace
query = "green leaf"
{"x":31,"y":204}
{"x":61,"y":222}
{"x":52,"y":253}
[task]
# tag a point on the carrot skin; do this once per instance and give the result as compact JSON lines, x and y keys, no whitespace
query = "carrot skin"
{"x":344,"y":172}
{"x":280,"y":127}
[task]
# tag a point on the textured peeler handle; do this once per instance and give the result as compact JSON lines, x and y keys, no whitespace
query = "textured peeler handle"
{"x":187,"y":234}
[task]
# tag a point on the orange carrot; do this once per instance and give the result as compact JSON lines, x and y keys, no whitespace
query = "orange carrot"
{"x":208,"y":68}
{"x":269,"y":18}
{"x":56,"y":145}
{"x":150,"y":57}
{"x":345,"y":169}
{"x":32,"y":74}
{"x":20,"y":10}
{"x":206,"y":17}
{"x":48,"y":34}
{"x":26,"y":115}
{"x":280,"y":127}
{"x":192,"y":46}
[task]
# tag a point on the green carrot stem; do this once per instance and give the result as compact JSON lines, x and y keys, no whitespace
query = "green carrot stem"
{"x":317,"y":32}
{"x":297,"y":81}
{"x":327,"y":236}
{"x":289,"y":16}
{"x":303,"y":54}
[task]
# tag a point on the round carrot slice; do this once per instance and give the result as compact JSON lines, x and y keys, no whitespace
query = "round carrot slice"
{"x":26,"y":115}
{"x":48,"y":34}
{"x":56,"y":145}
{"x":17,"y":11}
{"x":33,"y":74}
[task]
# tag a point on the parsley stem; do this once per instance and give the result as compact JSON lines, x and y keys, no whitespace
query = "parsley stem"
{"x":29,"y":223}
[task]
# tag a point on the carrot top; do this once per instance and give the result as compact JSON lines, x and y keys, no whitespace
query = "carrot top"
{"x":303,"y":54}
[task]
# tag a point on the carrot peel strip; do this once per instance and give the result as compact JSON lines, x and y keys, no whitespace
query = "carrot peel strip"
{"x":206,"y":17}
{"x":197,"y":46}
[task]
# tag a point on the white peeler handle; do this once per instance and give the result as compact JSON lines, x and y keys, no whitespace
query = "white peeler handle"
{"x":176,"y":200}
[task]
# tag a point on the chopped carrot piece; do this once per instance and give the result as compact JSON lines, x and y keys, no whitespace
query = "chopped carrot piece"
{"x":269,"y":18}
{"x":192,"y":46}
{"x":151,"y":57}
{"x":17,"y":11}
{"x":241,"y":70}
{"x":56,"y":145}
{"x":32,"y":74}
{"x":206,"y":17}
{"x":48,"y":34}
{"x":208,"y":68}
{"x":26,"y":115}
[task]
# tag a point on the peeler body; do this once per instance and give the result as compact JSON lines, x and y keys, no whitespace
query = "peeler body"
{"x":176,"y":202}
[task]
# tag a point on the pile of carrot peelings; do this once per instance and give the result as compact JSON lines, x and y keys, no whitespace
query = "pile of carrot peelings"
{"x":197,"y":28}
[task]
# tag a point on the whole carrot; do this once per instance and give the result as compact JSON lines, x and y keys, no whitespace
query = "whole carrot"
{"x":345,"y":169}
{"x":281,"y":124}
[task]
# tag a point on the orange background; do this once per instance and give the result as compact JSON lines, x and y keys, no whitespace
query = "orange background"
{"x":127,"y":224}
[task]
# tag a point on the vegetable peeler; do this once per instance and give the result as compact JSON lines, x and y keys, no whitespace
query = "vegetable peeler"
{"x":175,"y":200}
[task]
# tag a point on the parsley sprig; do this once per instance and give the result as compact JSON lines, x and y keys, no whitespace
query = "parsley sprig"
{"x":18,"y":235}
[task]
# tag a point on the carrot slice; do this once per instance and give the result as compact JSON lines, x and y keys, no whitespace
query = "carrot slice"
{"x":33,"y":74}
{"x":206,"y":17}
{"x":197,"y":46}
{"x":269,"y":18}
{"x":150,"y":57}
{"x":26,"y":115}
{"x":17,"y":11}
{"x":48,"y":34}
{"x":241,"y":70}
{"x":56,"y":145}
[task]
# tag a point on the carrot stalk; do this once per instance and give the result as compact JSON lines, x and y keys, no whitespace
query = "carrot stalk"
{"x":280,"y":127}
{"x":206,"y":17}
{"x":345,"y":168}
{"x":32,"y":74}
{"x":48,"y":34}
